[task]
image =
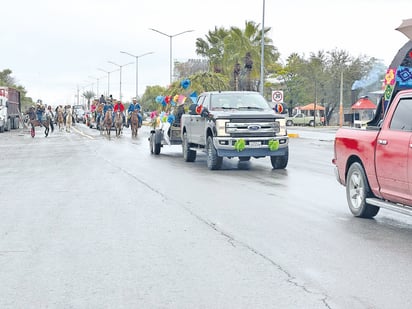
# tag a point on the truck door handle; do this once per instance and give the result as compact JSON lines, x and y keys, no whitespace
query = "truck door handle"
{"x":382,"y":141}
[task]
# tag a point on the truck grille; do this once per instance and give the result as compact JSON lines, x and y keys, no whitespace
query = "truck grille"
{"x":253,"y":128}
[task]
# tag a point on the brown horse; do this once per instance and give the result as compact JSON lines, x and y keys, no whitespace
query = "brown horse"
{"x":45,"y":122}
{"x":60,"y":119}
{"x":107,"y":122}
{"x":69,"y":119}
{"x":134,"y":120}
{"x":118,"y":123}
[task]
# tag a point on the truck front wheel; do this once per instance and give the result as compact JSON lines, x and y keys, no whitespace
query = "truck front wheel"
{"x":289,"y":123}
{"x":188,"y":154}
{"x":214,"y":162}
{"x":357,"y":190}
{"x":280,"y":162}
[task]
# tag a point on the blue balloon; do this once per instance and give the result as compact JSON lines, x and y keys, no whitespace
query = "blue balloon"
{"x":171,"y":118}
{"x":159,"y":99}
{"x":185,"y":83}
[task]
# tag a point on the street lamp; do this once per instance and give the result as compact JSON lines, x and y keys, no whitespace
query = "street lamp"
{"x":108,"y":79}
{"x":262,"y":51}
{"x":341,"y":99}
{"x":97,"y":84}
{"x":170,"y":37}
{"x":137,"y":68}
{"x":120,"y":68}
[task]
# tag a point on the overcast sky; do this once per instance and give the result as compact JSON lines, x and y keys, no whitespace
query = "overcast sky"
{"x":53,"y":46}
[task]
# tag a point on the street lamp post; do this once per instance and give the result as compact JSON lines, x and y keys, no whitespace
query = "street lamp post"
{"x":108,"y":79}
{"x":97,"y":84}
{"x":170,"y":37}
{"x":262,"y":52}
{"x":120,"y":68}
{"x":137,"y":68}
{"x":341,"y":99}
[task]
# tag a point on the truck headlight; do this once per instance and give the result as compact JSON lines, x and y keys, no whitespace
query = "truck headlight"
{"x":221,"y":127}
{"x":282,"y":125}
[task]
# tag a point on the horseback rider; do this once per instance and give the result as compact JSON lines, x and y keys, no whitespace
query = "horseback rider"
{"x":130,"y":110}
{"x":107,"y":106}
{"x":119,"y":107}
{"x":136,"y":106}
{"x":39,"y":111}
{"x":102,"y":99}
{"x":49,"y":114}
{"x":99,"y":113}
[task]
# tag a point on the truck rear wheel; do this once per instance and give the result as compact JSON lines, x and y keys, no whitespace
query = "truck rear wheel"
{"x":214,"y":162}
{"x":188,"y":154}
{"x":157,"y":147}
{"x":357,"y":190}
{"x":151,"y":143}
{"x":280,"y":162}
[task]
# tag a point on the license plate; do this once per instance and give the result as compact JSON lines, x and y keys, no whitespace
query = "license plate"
{"x":255,"y":144}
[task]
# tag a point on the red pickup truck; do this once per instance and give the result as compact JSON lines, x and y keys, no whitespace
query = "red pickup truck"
{"x":375,"y":164}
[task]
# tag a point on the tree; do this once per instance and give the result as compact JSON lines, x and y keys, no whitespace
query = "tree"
{"x":213,"y":48}
{"x":88,"y":95}
{"x":7,"y":80}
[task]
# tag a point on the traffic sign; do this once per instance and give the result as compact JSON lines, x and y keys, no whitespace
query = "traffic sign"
{"x":277,"y":96}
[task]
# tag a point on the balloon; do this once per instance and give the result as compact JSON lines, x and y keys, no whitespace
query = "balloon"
{"x":240,"y":144}
{"x":279,"y":108}
{"x":185,"y":83}
{"x":193,"y":97}
{"x":199,"y":109}
{"x":171,"y":118}
{"x":159,"y":99}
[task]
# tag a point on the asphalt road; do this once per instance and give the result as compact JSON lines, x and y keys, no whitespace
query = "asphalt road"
{"x":88,"y":222}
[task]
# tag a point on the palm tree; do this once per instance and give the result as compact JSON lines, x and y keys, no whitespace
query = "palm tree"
{"x":88,"y":95}
{"x":213,"y":48}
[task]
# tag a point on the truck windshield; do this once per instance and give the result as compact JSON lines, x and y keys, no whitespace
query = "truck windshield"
{"x":240,"y":101}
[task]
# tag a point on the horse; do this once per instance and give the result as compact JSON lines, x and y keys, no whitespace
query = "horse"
{"x":134,"y":120}
{"x":60,"y":119}
{"x":45,"y":122}
{"x":107,"y":122}
{"x":69,"y":119}
{"x":118,"y":123}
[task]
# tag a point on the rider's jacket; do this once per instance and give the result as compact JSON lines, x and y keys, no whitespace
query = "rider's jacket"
{"x":99,"y":108}
{"x":133,"y":107}
{"x":107,"y":107}
{"x":119,"y":107}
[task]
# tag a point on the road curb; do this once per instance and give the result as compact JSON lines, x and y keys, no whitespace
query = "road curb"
{"x":293,"y":135}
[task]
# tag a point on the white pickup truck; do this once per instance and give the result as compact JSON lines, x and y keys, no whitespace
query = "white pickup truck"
{"x":234,"y":124}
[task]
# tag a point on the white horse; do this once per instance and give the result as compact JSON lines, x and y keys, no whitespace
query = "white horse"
{"x":69,"y":119}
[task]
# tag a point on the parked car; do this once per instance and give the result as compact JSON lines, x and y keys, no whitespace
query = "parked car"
{"x":78,"y":112}
{"x":89,"y":120}
{"x":303,"y":120}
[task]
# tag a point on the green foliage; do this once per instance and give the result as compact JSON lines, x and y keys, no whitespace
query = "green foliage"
{"x":8,"y":81}
{"x":88,"y":95}
{"x":148,"y":100}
